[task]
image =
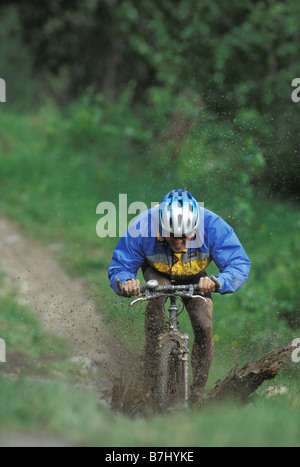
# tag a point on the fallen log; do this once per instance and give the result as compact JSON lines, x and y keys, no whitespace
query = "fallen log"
{"x":240,"y":384}
{"x":131,"y":398}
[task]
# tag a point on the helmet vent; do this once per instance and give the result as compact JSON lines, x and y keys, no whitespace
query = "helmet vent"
{"x":179,"y":214}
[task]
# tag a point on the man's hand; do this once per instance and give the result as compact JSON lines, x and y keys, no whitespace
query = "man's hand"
{"x":206,"y":285}
{"x":131,"y":288}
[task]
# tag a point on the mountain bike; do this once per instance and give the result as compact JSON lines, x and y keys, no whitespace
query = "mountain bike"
{"x":172,"y":384}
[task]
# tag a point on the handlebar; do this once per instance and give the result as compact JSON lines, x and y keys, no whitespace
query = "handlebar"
{"x":153,"y":290}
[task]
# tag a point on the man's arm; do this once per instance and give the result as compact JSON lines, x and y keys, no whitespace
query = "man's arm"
{"x":126,"y":261}
{"x":229,"y":255}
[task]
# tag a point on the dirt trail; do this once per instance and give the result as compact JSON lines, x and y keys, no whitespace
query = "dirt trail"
{"x":61,"y":304}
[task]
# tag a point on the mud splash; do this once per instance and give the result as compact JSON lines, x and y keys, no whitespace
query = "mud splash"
{"x":65,"y":309}
{"x":62,"y":304}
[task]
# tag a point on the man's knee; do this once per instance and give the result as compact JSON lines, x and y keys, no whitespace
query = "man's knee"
{"x":201,"y":314}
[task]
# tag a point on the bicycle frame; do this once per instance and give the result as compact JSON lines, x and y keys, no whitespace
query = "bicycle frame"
{"x":173,"y":346}
{"x":153,"y":291}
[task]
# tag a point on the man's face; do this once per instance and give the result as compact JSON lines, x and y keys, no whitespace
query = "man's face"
{"x":178,"y":244}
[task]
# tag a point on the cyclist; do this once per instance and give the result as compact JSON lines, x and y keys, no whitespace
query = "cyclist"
{"x":176,"y":241}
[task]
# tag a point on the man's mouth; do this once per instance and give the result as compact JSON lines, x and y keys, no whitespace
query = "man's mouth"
{"x":179,"y":245}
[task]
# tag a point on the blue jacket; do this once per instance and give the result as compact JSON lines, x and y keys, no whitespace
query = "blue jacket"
{"x":214,"y":241}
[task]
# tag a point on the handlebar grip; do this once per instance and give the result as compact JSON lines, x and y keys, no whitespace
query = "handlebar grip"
{"x":118,"y":282}
{"x":120,"y":289}
{"x":215,"y":280}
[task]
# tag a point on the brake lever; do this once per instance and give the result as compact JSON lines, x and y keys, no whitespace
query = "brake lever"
{"x":142,"y":299}
{"x":199,"y":296}
{"x":190,"y":295}
{"x":148,"y":296}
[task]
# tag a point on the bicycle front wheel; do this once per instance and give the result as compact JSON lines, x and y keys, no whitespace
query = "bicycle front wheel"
{"x":172,"y":376}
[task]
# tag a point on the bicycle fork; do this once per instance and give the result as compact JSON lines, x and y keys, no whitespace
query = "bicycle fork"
{"x":185,"y":359}
{"x":183,"y":340}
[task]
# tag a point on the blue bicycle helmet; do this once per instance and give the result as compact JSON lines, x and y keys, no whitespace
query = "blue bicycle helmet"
{"x":179,"y":214}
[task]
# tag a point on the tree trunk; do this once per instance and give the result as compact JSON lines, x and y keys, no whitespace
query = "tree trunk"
{"x":241,"y":384}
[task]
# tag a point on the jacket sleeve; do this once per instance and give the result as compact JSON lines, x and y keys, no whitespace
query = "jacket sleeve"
{"x":128,"y":257}
{"x":229,"y":256}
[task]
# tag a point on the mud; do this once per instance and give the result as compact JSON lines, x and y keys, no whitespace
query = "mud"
{"x":66,"y":309}
{"x":63,"y":305}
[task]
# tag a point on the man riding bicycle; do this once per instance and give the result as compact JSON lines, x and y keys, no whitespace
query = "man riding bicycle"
{"x":176,"y":241}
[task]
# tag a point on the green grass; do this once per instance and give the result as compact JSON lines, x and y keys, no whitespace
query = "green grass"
{"x":75,"y":415}
{"x":29,"y":349}
{"x":53,"y":174}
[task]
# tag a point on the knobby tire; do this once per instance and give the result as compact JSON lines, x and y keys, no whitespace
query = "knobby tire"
{"x":171,"y":376}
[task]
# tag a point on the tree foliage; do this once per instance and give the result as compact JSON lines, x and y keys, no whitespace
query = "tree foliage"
{"x":237,"y":59}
